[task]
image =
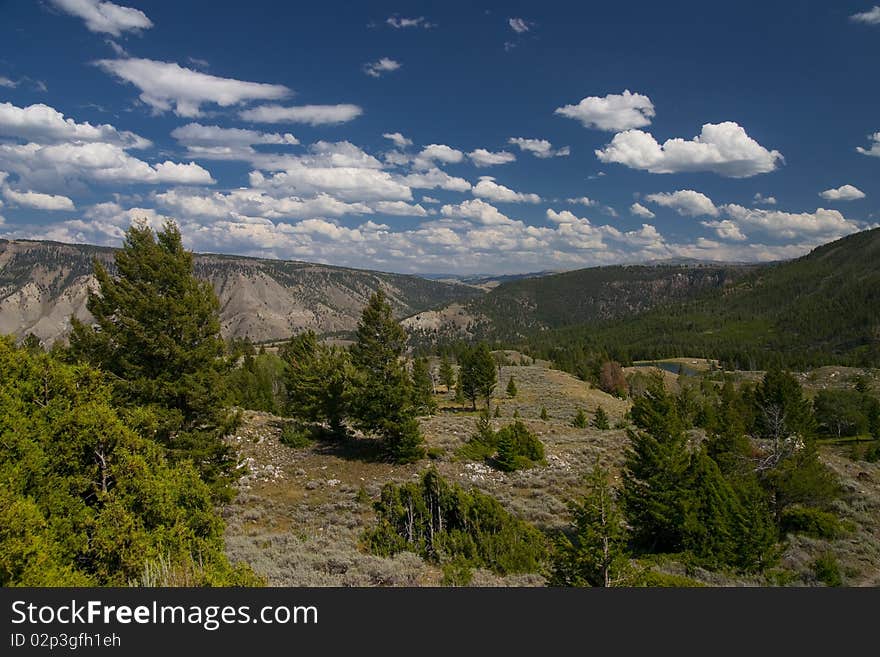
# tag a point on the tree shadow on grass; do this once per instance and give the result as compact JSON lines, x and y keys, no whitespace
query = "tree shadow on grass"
{"x":351,"y":448}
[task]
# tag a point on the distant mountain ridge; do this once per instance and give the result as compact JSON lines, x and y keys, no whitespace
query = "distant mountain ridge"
{"x":519,"y":307}
{"x":43,"y":283}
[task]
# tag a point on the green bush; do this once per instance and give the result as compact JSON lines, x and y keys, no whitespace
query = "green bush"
{"x":86,"y":500}
{"x":444,"y":523}
{"x":518,"y":448}
{"x":296,"y":435}
{"x":653,"y":578}
{"x":811,"y":522}
{"x":580,"y":420}
{"x":827,"y":570}
{"x":482,"y":443}
{"x":457,"y":572}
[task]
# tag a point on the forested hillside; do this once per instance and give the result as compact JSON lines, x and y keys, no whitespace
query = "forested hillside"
{"x":518,"y":308}
{"x":819,"y":309}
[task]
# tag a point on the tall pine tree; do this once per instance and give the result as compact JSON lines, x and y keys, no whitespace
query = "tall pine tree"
{"x":595,"y":553}
{"x":423,"y":387}
{"x":382,"y":401}
{"x":157,"y":331}
{"x":478,"y":374}
{"x":655,"y":492}
{"x":318,"y":379}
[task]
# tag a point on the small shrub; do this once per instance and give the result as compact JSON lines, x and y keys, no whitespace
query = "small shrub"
{"x":544,"y":415}
{"x":296,"y":436}
{"x":580,"y":420}
{"x":827,"y":570}
{"x":811,"y":522}
{"x":362,"y":496}
{"x":435,"y":453}
{"x":457,"y":572}
{"x":482,"y":443}
{"x":653,"y":578}
{"x":444,"y":523}
{"x":518,"y":448}
{"x":600,"y":419}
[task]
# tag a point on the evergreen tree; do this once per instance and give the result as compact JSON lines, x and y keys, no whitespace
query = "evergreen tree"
{"x":85,"y":499}
{"x":756,"y":530}
{"x":655,"y":478}
{"x":157,"y":331}
{"x":874,"y":418}
{"x":318,"y":379}
{"x":477,"y":375}
{"x":459,"y":389}
{"x":423,"y":387}
{"x":789,"y":462}
{"x":498,"y":410}
{"x":447,"y":373}
{"x":781,"y":410}
{"x":511,"y":387}
{"x":595,"y":554}
{"x":710,"y":529}
{"x":728,"y":444}
{"x":600,"y":419}
{"x":544,"y":415}
{"x":580,"y":420}
{"x":382,"y":400}
{"x":258,"y":384}
{"x":518,"y":448}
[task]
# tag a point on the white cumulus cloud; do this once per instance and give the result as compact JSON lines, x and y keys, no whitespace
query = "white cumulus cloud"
{"x":869,"y":17}
{"x":874,"y":146}
{"x":726,"y":230}
{"x":166,"y":86}
{"x":57,"y":165}
{"x":433,"y":153}
{"x":398,"y":139}
{"x":476,"y":210}
{"x":38,"y":201}
{"x":685,"y":202}
{"x":488,"y":188}
{"x":485,"y":158}
{"x":106,"y":17}
{"x":760,"y":199}
{"x":843,"y":193}
{"x":539,"y":147}
{"x":44,"y":124}
{"x":722,"y":148}
{"x":640,"y":210}
{"x":613,"y":113}
{"x":436,"y":179}
{"x":829,"y":224}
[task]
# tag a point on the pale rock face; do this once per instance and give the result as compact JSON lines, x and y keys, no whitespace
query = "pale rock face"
{"x":43,"y":283}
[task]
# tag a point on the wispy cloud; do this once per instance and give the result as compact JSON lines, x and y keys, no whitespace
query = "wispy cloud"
{"x":106,"y":17}
{"x":402,"y":22}
{"x":869,"y":17}
{"x":381,"y":66}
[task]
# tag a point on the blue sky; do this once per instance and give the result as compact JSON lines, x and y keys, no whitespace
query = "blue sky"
{"x":443,"y":137}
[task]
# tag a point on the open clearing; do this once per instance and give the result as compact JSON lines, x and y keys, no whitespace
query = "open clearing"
{"x":300,"y":512}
